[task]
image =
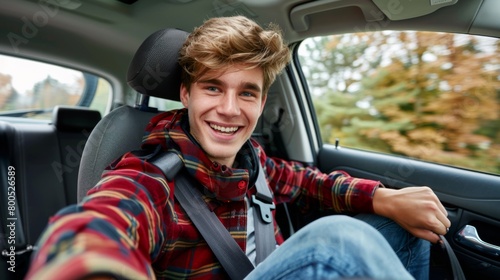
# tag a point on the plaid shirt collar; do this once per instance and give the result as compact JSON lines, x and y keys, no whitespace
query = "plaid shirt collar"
{"x":171,"y":131}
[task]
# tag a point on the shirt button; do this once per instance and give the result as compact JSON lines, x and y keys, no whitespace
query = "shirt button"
{"x":242,"y":184}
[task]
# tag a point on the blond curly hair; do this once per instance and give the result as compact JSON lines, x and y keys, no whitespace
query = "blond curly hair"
{"x":222,"y":42}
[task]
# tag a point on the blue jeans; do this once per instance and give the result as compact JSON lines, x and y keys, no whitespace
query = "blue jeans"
{"x":342,"y":247}
{"x":413,"y":252}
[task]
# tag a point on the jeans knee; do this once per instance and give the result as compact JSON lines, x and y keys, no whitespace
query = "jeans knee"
{"x":340,"y":229}
{"x":336,"y":222}
{"x":337,"y":245}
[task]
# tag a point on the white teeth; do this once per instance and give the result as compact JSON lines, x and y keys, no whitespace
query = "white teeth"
{"x":224,"y":129}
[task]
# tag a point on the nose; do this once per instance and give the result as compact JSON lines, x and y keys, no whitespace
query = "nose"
{"x":229,"y":105}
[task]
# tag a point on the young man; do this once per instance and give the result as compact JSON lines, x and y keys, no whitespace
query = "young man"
{"x":131,"y":227}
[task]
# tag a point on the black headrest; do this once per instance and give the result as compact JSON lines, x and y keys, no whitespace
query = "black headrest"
{"x":75,"y":119}
{"x":155,"y":70}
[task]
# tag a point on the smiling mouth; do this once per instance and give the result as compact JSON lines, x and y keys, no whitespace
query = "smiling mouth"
{"x":224,"y":129}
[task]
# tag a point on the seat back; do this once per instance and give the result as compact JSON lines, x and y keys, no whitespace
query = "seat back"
{"x":73,"y":127}
{"x":154,"y":71}
{"x":118,"y":132}
{"x":43,"y":160}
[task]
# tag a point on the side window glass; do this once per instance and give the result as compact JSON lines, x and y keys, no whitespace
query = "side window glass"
{"x":429,"y":96}
{"x":163,"y":104}
{"x":31,"y":89}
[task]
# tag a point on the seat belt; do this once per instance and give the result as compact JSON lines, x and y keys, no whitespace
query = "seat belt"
{"x":218,"y":238}
{"x":456,"y":269}
{"x":264,"y":226}
{"x":225,"y":248}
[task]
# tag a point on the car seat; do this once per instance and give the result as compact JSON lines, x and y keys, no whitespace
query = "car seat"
{"x":153,"y":71}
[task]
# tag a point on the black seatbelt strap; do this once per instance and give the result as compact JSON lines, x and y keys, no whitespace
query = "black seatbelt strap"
{"x":218,"y":238}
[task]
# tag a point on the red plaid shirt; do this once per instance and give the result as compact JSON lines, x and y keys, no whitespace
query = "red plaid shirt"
{"x":130,"y":225}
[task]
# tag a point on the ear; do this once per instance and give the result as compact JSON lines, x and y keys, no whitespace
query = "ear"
{"x":184,"y":96}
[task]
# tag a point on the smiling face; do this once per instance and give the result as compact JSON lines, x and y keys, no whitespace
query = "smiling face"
{"x":224,"y":107}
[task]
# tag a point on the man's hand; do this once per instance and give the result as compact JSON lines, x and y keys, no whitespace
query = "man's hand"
{"x":416,"y":209}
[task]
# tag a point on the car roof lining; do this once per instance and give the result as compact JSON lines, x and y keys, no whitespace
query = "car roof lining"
{"x":124,"y":26}
{"x":349,"y":19}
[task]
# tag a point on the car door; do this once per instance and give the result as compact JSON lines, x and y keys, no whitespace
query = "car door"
{"x":425,"y":116}
{"x":471,"y":199}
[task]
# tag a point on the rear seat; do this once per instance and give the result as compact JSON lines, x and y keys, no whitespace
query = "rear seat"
{"x":46,"y":159}
{"x":73,"y":126}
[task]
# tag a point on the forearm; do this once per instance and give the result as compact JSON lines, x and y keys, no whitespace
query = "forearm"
{"x":336,"y":191}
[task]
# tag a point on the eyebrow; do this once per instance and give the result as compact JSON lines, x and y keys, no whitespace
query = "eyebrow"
{"x":245,"y":85}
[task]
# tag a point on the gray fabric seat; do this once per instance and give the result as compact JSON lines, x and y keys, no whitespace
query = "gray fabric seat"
{"x":119,"y":132}
{"x":154,"y":71}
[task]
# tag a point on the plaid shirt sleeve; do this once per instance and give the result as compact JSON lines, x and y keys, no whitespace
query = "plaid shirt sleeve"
{"x":312,"y":189}
{"x":117,"y":230}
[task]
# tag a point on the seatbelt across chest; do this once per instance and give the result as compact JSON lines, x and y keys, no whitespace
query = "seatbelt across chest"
{"x":227,"y":251}
{"x":225,"y":248}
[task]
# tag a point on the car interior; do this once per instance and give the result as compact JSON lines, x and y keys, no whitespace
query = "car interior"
{"x":132,"y":45}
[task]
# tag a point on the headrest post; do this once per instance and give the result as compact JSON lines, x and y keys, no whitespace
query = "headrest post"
{"x":143,"y":105}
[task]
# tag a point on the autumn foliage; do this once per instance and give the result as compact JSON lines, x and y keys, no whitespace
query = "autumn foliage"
{"x":430,"y":96}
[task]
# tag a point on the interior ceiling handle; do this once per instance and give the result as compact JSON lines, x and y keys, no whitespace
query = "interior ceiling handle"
{"x":468,"y":236}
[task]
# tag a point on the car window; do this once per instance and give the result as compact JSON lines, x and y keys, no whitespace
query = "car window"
{"x":164,"y":104}
{"x":426,"y":95}
{"x":31,"y":89}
